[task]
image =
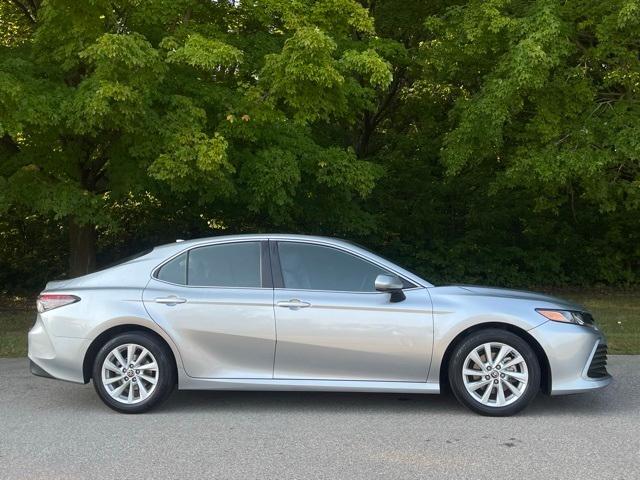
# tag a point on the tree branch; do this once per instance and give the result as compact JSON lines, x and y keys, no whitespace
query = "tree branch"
{"x":25,"y":9}
{"x":371,"y":122}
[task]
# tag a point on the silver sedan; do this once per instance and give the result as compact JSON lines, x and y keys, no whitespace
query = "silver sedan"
{"x":291,"y":312}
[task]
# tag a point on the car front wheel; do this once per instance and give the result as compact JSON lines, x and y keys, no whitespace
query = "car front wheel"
{"x":133,"y":373}
{"x":494,"y":372}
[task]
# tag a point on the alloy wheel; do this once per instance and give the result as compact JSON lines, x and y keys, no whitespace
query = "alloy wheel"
{"x":130,"y":373}
{"x":495,"y":374}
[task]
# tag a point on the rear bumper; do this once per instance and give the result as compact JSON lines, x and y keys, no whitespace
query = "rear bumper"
{"x":56,"y":357}
{"x":570,"y":350}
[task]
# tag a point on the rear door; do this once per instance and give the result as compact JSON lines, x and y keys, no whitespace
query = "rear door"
{"x":333,"y":325}
{"x":216,"y":302}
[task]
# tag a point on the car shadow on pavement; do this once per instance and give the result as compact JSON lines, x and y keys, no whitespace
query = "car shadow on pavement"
{"x":594,"y":403}
{"x":307,"y":401}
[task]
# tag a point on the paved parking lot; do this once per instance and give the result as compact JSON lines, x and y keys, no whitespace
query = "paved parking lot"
{"x":52,"y":429}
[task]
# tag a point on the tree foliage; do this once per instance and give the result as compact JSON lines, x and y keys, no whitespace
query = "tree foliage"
{"x":480,"y":140}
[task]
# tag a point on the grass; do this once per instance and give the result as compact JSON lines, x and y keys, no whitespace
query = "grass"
{"x":616,"y":312}
{"x":17,"y":316}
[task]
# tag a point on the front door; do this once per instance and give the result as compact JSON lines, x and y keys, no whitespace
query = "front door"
{"x":216,"y":302}
{"x":333,"y":325}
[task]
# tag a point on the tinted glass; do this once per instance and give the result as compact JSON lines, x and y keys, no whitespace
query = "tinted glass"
{"x":314,"y":267}
{"x":175,"y":271}
{"x":227,"y":265}
{"x":125,"y":259}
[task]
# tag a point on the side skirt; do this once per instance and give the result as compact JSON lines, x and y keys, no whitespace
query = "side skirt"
{"x":188,"y":383}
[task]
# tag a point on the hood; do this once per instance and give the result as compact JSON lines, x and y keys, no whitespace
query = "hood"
{"x":520,"y":295}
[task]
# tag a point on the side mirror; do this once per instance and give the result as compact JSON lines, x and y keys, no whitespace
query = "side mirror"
{"x":392,"y":285}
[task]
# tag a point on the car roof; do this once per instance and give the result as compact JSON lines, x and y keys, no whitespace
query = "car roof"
{"x":259,"y":236}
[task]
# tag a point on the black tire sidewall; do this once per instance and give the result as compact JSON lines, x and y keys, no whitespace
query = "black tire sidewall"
{"x":494,"y":335}
{"x":166,"y":383}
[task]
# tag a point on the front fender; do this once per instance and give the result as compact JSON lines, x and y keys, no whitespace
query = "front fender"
{"x":454,"y":313}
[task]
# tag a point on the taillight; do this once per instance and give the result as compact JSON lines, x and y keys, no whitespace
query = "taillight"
{"x":49,"y":301}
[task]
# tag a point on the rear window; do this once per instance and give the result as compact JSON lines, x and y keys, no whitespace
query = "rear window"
{"x":126,"y":259}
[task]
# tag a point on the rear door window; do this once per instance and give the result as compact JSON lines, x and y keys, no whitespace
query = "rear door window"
{"x":225,"y":265}
{"x":236,"y":265}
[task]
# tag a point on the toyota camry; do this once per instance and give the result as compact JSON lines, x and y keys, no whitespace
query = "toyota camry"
{"x":292,"y":312}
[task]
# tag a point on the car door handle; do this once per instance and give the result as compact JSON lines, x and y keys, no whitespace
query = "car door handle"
{"x":170,"y":301}
{"x":294,"y":303}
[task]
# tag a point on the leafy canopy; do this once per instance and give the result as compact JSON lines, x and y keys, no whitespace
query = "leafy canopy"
{"x":212,"y":101}
{"x":473,"y":140}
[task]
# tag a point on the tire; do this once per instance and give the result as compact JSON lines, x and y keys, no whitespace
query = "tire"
{"x":517,"y":374}
{"x":137,"y":390}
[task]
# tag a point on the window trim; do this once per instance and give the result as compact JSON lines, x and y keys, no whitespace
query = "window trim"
{"x":266,"y":276}
{"x":276,"y":267}
{"x":276,"y":270}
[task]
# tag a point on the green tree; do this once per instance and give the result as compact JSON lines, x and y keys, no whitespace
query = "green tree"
{"x":548,"y":100}
{"x":214,"y":101}
{"x":488,"y":141}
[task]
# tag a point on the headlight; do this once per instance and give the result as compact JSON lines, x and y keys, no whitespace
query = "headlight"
{"x":565,"y":316}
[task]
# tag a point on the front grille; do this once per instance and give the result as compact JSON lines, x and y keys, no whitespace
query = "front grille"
{"x":598,"y":367}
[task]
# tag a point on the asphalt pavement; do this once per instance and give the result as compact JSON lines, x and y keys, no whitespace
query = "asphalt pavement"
{"x":56,"y":430}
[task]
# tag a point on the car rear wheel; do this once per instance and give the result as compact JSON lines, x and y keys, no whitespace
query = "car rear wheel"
{"x":494,"y":372}
{"x":133,"y":373}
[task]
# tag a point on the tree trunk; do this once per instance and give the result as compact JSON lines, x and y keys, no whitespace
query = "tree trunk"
{"x":82,"y":243}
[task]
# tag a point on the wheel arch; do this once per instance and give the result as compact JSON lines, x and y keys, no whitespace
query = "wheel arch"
{"x":545,"y":368}
{"x":108,"y":334}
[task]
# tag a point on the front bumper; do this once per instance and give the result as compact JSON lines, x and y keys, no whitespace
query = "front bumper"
{"x":37,"y":370}
{"x":570,"y":350}
{"x":56,"y":357}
